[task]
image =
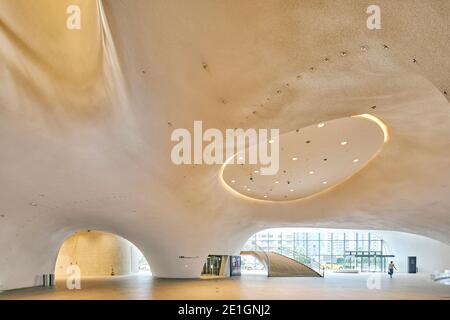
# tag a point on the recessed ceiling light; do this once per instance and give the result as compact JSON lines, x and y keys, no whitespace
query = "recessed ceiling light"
{"x":233,"y":181}
{"x":248,"y":189}
{"x":265,"y":196}
{"x":325,"y":182}
{"x":355,"y":160}
{"x":321,"y":125}
{"x":241,"y":158}
{"x":271,"y":141}
{"x":256,"y":171}
{"x":295,"y":158}
{"x":311,"y":172}
{"x":291,"y":190}
{"x":277,"y":182}
{"x":343,"y":143}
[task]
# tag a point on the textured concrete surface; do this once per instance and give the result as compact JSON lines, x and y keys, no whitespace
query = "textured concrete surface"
{"x":86,"y":118}
{"x":333,"y":286}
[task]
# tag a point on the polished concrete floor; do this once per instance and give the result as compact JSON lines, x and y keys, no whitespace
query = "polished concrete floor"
{"x":333,"y":286}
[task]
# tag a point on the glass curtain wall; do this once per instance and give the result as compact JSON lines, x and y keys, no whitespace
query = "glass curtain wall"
{"x":333,"y":250}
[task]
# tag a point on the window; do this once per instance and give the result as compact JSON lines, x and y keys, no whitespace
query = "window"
{"x":333,"y":249}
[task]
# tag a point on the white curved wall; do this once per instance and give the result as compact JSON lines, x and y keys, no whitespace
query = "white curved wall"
{"x":432,"y":255}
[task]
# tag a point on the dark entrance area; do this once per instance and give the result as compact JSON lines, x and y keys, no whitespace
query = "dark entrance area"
{"x":212,"y":265}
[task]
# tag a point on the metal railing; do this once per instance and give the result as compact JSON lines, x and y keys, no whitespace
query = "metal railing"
{"x":296,"y":256}
{"x":443,"y":277}
{"x":301,"y":258}
{"x":255,"y":247}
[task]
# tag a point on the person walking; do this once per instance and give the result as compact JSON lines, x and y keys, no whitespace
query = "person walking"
{"x":391,"y":268}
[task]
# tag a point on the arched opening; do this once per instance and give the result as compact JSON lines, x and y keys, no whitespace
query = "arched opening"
{"x":330,"y":250}
{"x":92,"y":253}
{"x":343,"y":251}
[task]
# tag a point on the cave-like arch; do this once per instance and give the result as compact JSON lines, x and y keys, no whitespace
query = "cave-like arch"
{"x":93,"y":253}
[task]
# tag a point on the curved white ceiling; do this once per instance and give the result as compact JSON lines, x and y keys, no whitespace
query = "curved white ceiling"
{"x":312,"y":160}
{"x":85,"y":134}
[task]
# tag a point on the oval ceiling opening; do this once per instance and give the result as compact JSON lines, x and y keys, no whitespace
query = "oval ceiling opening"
{"x":311,"y":160}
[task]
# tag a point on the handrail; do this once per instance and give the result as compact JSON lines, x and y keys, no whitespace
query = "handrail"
{"x":443,"y":276}
{"x":267,"y":258}
{"x":296,"y":256}
{"x":256,"y":247}
{"x":307,"y":261}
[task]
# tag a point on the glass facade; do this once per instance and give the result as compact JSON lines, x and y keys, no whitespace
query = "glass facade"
{"x":332,"y":249}
{"x":212,"y":265}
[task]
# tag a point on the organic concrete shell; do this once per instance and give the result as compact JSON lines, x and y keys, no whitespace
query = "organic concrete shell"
{"x":86,"y":117}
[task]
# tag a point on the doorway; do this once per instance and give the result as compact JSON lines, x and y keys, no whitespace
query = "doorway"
{"x":212,"y":266}
{"x":92,"y":253}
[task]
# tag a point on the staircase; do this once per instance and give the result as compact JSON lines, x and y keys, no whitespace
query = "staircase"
{"x":279,"y":265}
